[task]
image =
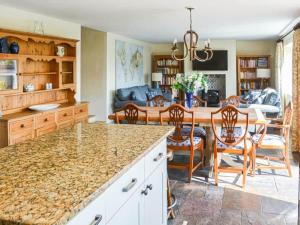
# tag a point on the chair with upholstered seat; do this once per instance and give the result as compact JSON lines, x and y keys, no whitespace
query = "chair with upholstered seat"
{"x":264,"y":140}
{"x":199,"y":131}
{"x":131,"y":114}
{"x":177,"y":141}
{"x":232,"y":139}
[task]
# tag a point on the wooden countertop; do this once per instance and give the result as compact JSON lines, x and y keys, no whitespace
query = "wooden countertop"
{"x":46,"y":181}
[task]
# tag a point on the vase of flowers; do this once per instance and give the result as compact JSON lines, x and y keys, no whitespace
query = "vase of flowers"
{"x":190,"y":84}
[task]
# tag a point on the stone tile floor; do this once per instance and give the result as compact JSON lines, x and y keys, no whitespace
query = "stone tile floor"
{"x":271,"y":197}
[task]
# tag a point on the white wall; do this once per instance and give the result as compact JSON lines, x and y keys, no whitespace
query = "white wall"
{"x":93,"y":70}
{"x":111,"y":72}
{"x":230,"y":46}
{"x":20,"y":20}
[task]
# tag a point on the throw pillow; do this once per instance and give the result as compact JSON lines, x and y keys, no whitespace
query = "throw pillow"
{"x":151,"y":94}
{"x":132,"y":96}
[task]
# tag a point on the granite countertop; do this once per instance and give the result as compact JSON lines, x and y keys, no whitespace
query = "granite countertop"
{"x":49,"y":179}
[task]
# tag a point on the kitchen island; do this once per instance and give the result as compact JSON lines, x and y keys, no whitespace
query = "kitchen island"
{"x":87,"y":174}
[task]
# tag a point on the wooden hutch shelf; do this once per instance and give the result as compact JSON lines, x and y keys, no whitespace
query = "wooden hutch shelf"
{"x":247,"y":79}
{"x":169,"y":68}
{"x":37,"y":64}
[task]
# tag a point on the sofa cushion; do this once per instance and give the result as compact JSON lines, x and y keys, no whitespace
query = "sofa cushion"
{"x":272,"y":99}
{"x":132,"y":96}
{"x":252,"y":96}
{"x":124,"y":93}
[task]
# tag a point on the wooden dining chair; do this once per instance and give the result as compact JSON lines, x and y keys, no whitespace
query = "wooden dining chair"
{"x":199,"y":102}
{"x":199,"y":131}
{"x":157,"y":101}
{"x":232,"y":140}
{"x":232,"y":100}
{"x":131,"y":114}
{"x":267,"y":141}
{"x":177,"y":141}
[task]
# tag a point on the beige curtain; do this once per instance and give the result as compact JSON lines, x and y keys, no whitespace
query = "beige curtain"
{"x":296,"y":92}
{"x":278,"y":70}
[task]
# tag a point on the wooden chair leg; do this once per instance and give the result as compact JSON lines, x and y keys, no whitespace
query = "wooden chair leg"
{"x":171,"y":211}
{"x":287,"y":160}
{"x":202,"y":155}
{"x":216,"y":165}
{"x":245,"y":169}
{"x":191,"y":165}
{"x":254,"y":160}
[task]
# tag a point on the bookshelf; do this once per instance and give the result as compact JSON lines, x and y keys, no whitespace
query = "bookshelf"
{"x":247,"y":73}
{"x":168,"y":67}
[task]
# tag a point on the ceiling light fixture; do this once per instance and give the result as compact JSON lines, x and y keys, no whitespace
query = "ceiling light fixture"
{"x":190,"y":39}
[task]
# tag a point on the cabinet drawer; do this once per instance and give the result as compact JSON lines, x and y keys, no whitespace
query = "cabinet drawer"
{"x":45,"y":120}
{"x":45,"y":130}
{"x":21,"y":126}
{"x":65,"y":115}
{"x":93,"y":212}
{"x":154,"y":158}
{"x":21,"y":137}
{"x":80,"y":111}
{"x":121,"y":190}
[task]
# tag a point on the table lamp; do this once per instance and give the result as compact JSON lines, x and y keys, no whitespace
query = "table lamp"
{"x":156,"y":79}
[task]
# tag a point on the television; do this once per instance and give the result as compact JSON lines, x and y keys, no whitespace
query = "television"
{"x":219,"y":61}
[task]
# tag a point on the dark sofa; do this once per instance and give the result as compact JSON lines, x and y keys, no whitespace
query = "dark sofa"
{"x":137,"y":95}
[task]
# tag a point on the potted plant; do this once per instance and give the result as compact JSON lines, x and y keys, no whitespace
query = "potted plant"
{"x":190,"y":84}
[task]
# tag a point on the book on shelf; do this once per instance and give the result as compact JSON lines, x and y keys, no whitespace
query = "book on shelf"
{"x":248,"y":63}
{"x":247,"y":75}
{"x":262,"y":62}
{"x":167,"y":62}
{"x":167,"y":70}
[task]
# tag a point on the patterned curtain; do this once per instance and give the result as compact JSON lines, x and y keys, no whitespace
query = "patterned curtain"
{"x":296,"y":92}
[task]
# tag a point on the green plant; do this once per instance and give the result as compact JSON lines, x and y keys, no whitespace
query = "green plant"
{"x":190,"y":83}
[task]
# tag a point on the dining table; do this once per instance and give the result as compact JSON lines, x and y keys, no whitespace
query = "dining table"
{"x":202,"y":116}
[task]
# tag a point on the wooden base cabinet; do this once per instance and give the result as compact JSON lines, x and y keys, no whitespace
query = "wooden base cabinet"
{"x":22,"y":126}
{"x":138,"y":197}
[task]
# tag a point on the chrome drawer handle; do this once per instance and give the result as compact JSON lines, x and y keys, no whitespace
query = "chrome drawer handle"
{"x":144,"y":192}
{"x":130,"y":185}
{"x":160,"y":155}
{"x":97,"y":220}
{"x":149,"y":186}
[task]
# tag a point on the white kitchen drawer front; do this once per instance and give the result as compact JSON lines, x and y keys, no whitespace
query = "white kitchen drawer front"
{"x":121,"y":190}
{"x":92,"y":214}
{"x":155,"y":157}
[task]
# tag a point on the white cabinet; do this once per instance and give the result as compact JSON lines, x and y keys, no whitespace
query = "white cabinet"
{"x":131,"y":212}
{"x":155,"y":200}
{"x":138,"y":197}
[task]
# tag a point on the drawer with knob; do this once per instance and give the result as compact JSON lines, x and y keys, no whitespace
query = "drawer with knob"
{"x":45,"y":120}
{"x":154,"y":158}
{"x":81,"y":112}
{"x":122,"y":189}
{"x":21,"y":126}
{"x":65,"y":116}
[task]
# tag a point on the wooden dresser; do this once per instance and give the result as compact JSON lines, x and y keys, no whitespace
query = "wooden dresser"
{"x":37,"y":64}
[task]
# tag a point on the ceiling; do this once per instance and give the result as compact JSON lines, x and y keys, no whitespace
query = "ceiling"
{"x":163,"y":20}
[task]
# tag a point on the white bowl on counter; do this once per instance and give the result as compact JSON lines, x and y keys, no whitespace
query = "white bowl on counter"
{"x":44,"y":107}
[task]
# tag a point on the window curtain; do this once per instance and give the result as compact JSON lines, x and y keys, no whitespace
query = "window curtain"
{"x":279,"y":59}
{"x":296,"y":92}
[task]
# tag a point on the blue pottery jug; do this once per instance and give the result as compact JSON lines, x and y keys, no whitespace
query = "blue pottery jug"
{"x":14,"y":48}
{"x":4,"y":45}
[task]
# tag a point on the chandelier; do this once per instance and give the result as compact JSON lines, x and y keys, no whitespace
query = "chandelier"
{"x":190,"y":39}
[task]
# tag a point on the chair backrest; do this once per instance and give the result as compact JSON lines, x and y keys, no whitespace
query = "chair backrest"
{"x":158,"y":101}
{"x":232,"y":100}
{"x":131,"y":114}
{"x":230,"y":116}
{"x":176,"y":118}
{"x":199,"y":102}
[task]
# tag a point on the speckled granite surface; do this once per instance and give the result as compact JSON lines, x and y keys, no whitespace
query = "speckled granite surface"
{"x":48,"y":180}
